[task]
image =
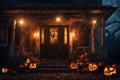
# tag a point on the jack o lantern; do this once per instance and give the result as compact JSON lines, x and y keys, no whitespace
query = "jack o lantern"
{"x":27,"y":60}
{"x":109,"y":71}
{"x":33,"y":65}
{"x":73,"y":66}
{"x":92,"y":67}
{"x":4,"y":70}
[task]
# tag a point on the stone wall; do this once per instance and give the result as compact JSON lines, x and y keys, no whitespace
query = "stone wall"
{"x":112,"y":31}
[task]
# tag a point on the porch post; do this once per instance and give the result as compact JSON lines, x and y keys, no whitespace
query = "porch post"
{"x":102,"y":36}
{"x":102,"y":33}
{"x":92,"y":34}
{"x":12,"y":45}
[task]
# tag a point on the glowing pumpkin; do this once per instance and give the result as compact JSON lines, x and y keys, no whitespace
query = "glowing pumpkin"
{"x":109,"y":71}
{"x":4,"y":70}
{"x":33,"y":65}
{"x":73,"y":66}
{"x":27,"y":60}
{"x":92,"y":67}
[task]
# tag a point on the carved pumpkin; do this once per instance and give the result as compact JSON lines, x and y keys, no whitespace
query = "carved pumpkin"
{"x":33,"y":65}
{"x":73,"y":66}
{"x":4,"y":70}
{"x":109,"y":71}
{"x":92,"y":67}
{"x":27,"y":60}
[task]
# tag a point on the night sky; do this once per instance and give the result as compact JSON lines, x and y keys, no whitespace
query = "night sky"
{"x":49,"y":1}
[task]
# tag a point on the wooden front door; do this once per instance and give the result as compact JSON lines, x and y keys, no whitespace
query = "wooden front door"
{"x":54,"y":42}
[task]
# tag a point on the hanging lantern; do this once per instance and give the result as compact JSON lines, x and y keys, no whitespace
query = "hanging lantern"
{"x":33,"y":65}
{"x":109,"y":71}
{"x":4,"y":70}
{"x":92,"y":67}
{"x":73,"y":66}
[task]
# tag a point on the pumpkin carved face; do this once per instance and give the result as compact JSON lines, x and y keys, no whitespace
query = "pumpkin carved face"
{"x":73,"y":66}
{"x":33,"y":65}
{"x":4,"y":70}
{"x":109,"y":71}
{"x":92,"y":67}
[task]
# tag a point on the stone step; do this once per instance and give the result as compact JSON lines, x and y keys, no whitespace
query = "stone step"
{"x":53,"y":70}
{"x":54,"y":62}
{"x":54,"y":66}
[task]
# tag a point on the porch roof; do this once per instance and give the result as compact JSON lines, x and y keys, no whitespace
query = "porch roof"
{"x":57,"y":8}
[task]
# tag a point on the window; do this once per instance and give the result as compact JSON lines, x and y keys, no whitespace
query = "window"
{"x":3,"y":35}
{"x":65,"y":35}
{"x":53,"y":35}
{"x":42,"y":36}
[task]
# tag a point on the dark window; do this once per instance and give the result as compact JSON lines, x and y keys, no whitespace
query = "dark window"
{"x":3,"y":35}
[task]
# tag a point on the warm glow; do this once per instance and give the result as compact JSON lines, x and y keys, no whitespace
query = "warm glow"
{"x":42,"y":36}
{"x":27,"y":60}
{"x":53,"y":35}
{"x":94,"y":21}
{"x":65,"y":35}
{"x":15,"y":23}
{"x":109,"y":71}
{"x":33,"y":65}
{"x":58,"y":19}
{"x":73,"y":66}
{"x":92,"y":67}
{"x":4,"y":70}
{"x":21,"y":21}
{"x":73,"y":34}
{"x":36,"y":34}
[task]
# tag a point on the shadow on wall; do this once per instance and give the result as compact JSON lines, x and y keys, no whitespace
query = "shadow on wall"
{"x":112,"y":51}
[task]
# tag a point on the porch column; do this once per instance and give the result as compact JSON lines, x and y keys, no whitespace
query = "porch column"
{"x":12,"y":45}
{"x":102,"y":33}
{"x":93,"y":37}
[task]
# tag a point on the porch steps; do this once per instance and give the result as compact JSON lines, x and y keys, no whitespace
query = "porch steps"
{"x":54,"y":66}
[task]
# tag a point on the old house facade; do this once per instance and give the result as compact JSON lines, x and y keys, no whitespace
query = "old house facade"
{"x":60,"y":31}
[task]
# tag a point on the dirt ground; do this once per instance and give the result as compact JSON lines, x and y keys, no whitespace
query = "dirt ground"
{"x":57,"y":76}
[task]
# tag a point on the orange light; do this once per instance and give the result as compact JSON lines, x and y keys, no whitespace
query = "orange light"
{"x":4,"y":70}
{"x":73,"y":34}
{"x":58,"y":19}
{"x":94,"y":21}
{"x":33,"y":65}
{"x":21,"y":21}
{"x":36,"y":35}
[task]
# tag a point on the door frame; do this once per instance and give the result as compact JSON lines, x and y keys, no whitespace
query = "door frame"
{"x":44,"y":34}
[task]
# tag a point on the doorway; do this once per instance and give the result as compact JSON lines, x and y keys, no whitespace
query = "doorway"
{"x":54,"y":42}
